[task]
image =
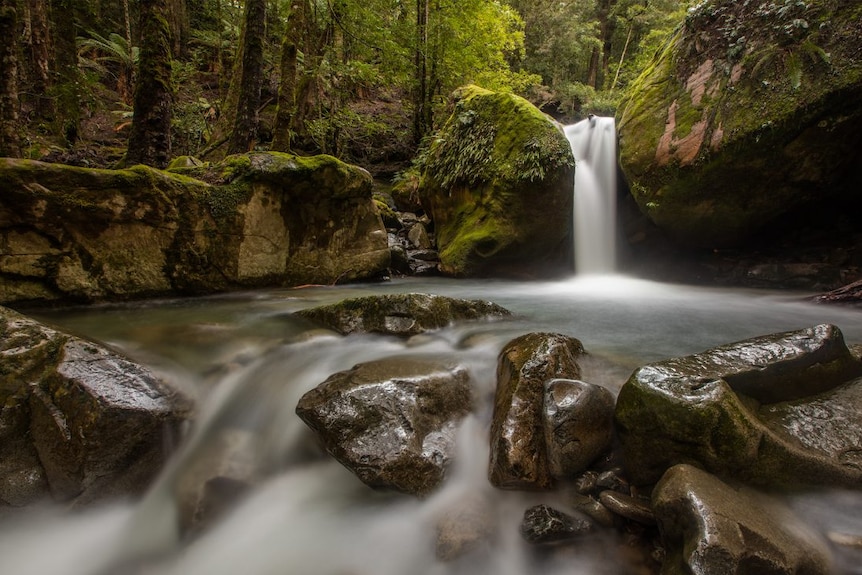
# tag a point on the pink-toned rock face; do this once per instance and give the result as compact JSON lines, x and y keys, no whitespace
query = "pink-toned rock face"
{"x":751,"y":111}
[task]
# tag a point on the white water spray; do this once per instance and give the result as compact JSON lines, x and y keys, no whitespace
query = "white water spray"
{"x":593,"y":144}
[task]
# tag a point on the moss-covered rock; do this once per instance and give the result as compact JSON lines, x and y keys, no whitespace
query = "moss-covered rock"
{"x":400,"y":314}
{"x":782,"y":410}
{"x":498,"y":184}
{"x":254,"y":220}
{"x":750,"y":110}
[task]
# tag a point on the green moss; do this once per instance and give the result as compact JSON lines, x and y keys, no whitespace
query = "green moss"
{"x":492,"y":136}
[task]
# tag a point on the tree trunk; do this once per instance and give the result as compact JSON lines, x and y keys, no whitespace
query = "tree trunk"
{"x":420,"y":96}
{"x":179,"y":22}
{"x":39,"y":48}
{"x":150,"y":137}
{"x":623,"y":55}
{"x":593,"y":73}
{"x":245,"y":123}
{"x":68,"y":85}
{"x":286,"y":109}
{"x":10,"y":144}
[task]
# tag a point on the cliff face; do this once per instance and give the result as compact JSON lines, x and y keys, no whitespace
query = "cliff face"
{"x":753,"y":108}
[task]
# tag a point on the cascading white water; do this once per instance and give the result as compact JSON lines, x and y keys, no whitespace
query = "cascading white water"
{"x":593,"y":144}
{"x":307,"y":514}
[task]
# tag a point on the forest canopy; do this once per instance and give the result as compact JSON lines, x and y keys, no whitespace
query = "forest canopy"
{"x":103,"y":82}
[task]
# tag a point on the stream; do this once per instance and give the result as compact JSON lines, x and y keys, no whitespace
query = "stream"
{"x":247,"y":361}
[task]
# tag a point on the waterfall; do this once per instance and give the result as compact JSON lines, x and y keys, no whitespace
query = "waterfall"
{"x":593,"y":144}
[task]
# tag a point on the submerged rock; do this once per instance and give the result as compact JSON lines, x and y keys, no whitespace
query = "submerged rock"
{"x":750,"y":110}
{"x":78,"y":419}
{"x":392,"y":422}
{"x":400,"y":314}
{"x":519,"y":453}
{"x":260,"y":219}
{"x":709,"y":527}
{"x":498,"y":186}
{"x":464,"y":527}
{"x":777,"y":410}
{"x":544,"y":524}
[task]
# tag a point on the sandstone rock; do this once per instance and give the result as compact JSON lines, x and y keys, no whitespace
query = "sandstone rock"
{"x":419,"y":237}
{"x":392,"y":422}
{"x":751,"y":110}
{"x":778,"y":410}
{"x":264,"y":219}
{"x":519,"y":452}
{"x":709,"y":527}
{"x":400,"y":314}
{"x":544,"y":524}
{"x":579,"y":425}
{"x":498,"y":186}
{"x":78,"y":419}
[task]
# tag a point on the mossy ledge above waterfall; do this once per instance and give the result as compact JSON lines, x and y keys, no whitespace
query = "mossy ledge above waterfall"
{"x":498,"y":184}
{"x":255,"y":220}
{"x":751,"y":109}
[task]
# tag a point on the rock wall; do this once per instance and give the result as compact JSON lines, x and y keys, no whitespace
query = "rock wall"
{"x":751,"y":110}
{"x":267,"y":219}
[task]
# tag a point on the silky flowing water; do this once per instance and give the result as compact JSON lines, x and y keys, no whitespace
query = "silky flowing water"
{"x":594,"y":146}
{"x":247,"y":361}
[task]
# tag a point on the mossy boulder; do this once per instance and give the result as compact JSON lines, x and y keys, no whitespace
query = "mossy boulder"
{"x":400,"y":314}
{"x":782,"y":410}
{"x":255,"y":220}
{"x":498,"y":184}
{"x":78,"y":422}
{"x":750,"y":110}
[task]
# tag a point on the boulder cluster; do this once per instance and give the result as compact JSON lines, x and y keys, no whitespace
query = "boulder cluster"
{"x":684,"y":459}
{"x":688,"y":464}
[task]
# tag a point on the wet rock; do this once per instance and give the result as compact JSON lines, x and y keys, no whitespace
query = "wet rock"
{"x":78,"y":419}
{"x":519,"y":453}
{"x":709,"y":527}
{"x":216,"y":476}
{"x":464,"y":528}
{"x":587,"y":482}
{"x":777,"y":410}
{"x":593,"y":509}
{"x":399,"y":262}
{"x":579,"y":425}
{"x":507,"y":211}
{"x":400,"y":314}
{"x":392,"y":422}
{"x":419,"y":237}
{"x":628,"y":507}
{"x":544,"y":524}
{"x":425,"y":255}
{"x":612,"y":479}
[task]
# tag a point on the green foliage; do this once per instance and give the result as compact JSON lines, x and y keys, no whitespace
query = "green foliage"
{"x":495,"y":136}
{"x":190,"y":122}
{"x":114,"y":49}
{"x":463,"y":154}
